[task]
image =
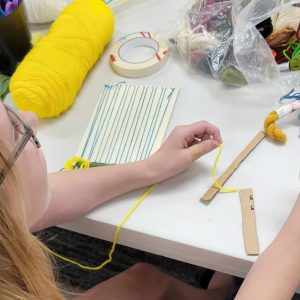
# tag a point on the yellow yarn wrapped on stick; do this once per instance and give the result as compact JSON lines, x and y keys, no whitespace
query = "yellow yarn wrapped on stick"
{"x":50,"y":76}
{"x":272,"y":130}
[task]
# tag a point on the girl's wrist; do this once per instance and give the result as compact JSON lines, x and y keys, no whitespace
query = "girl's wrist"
{"x":152,"y":170}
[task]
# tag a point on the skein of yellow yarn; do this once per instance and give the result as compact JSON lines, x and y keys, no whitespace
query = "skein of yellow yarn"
{"x":271,"y":130}
{"x":50,"y":76}
{"x":270,"y":122}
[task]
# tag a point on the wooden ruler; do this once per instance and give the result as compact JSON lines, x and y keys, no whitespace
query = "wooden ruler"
{"x":213,"y":190}
{"x":249,"y":222}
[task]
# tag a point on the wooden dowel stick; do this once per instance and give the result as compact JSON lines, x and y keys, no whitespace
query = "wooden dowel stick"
{"x":213,"y":190}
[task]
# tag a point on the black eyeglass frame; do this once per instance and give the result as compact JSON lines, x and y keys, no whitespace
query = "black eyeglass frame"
{"x":21,"y":144}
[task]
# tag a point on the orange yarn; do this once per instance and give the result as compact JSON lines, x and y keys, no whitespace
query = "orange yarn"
{"x":271,"y":130}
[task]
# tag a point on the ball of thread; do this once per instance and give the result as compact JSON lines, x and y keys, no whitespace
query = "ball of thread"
{"x":271,"y":130}
{"x":43,"y":11}
{"x":287,"y":17}
{"x":48,"y":79}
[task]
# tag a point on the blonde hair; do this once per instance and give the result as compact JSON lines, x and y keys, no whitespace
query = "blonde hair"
{"x":25,"y":268}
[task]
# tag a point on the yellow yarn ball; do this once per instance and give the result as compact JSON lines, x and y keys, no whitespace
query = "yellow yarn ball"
{"x":50,"y":76}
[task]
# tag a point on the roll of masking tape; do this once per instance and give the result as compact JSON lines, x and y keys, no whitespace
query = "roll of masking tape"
{"x":136,"y":40}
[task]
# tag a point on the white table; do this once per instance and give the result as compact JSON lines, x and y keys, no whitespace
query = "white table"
{"x":172,"y":221}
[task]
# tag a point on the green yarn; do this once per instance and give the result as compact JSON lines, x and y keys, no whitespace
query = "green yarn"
{"x":92,"y":165}
{"x":295,"y":63}
{"x":4,"y":86}
{"x":96,"y":164}
{"x":296,"y":50}
{"x":232,"y":76}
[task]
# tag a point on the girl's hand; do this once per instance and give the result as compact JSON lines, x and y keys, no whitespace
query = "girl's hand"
{"x":185,"y":144}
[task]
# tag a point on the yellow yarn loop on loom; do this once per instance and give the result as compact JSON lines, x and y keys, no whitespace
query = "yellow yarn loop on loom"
{"x":77,"y":161}
{"x":50,"y":76}
{"x":271,"y":130}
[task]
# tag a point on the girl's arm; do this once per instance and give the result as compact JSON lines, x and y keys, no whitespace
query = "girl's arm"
{"x":276,"y":273}
{"x":74,"y":193}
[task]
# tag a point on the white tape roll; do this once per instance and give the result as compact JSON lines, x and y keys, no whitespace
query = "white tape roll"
{"x":138,"y":69}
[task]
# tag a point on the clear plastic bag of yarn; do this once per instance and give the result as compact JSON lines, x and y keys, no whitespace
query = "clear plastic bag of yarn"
{"x":220,"y":37}
{"x":201,"y":29}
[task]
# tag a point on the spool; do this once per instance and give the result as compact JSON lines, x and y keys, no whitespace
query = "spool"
{"x":138,"y":69}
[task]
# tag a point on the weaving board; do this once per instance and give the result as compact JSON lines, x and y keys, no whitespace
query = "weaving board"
{"x":128,"y":123}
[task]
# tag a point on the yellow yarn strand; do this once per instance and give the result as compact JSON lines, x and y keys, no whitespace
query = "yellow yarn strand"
{"x":71,"y":163}
{"x":85,"y":164}
{"x":214,"y":171}
{"x":112,"y":250}
{"x":50,"y":76}
{"x":271,"y":130}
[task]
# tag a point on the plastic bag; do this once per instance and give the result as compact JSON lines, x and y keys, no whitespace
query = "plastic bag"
{"x":221,"y":37}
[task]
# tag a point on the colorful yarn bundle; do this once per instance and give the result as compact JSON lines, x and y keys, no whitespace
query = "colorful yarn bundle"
{"x":219,"y":37}
{"x":205,"y":27}
{"x":285,"y":39}
{"x":50,"y":76}
{"x":288,"y":58}
{"x":286,"y":49}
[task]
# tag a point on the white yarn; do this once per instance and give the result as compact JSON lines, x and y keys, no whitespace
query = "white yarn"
{"x":188,"y":41}
{"x":43,"y":11}
{"x":288,"y":17}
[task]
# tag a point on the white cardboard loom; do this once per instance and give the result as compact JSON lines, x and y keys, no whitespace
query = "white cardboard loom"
{"x":128,"y":123}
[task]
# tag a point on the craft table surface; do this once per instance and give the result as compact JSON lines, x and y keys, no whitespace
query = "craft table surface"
{"x":172,"y":221}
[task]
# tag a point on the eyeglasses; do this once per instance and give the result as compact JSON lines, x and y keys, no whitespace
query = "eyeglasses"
{"x":23,"y":133}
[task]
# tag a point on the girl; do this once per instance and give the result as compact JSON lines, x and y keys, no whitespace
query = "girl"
{"x":31,"y":200}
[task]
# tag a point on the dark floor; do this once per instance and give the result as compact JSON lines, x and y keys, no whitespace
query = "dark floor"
{"x":92,"y":252}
